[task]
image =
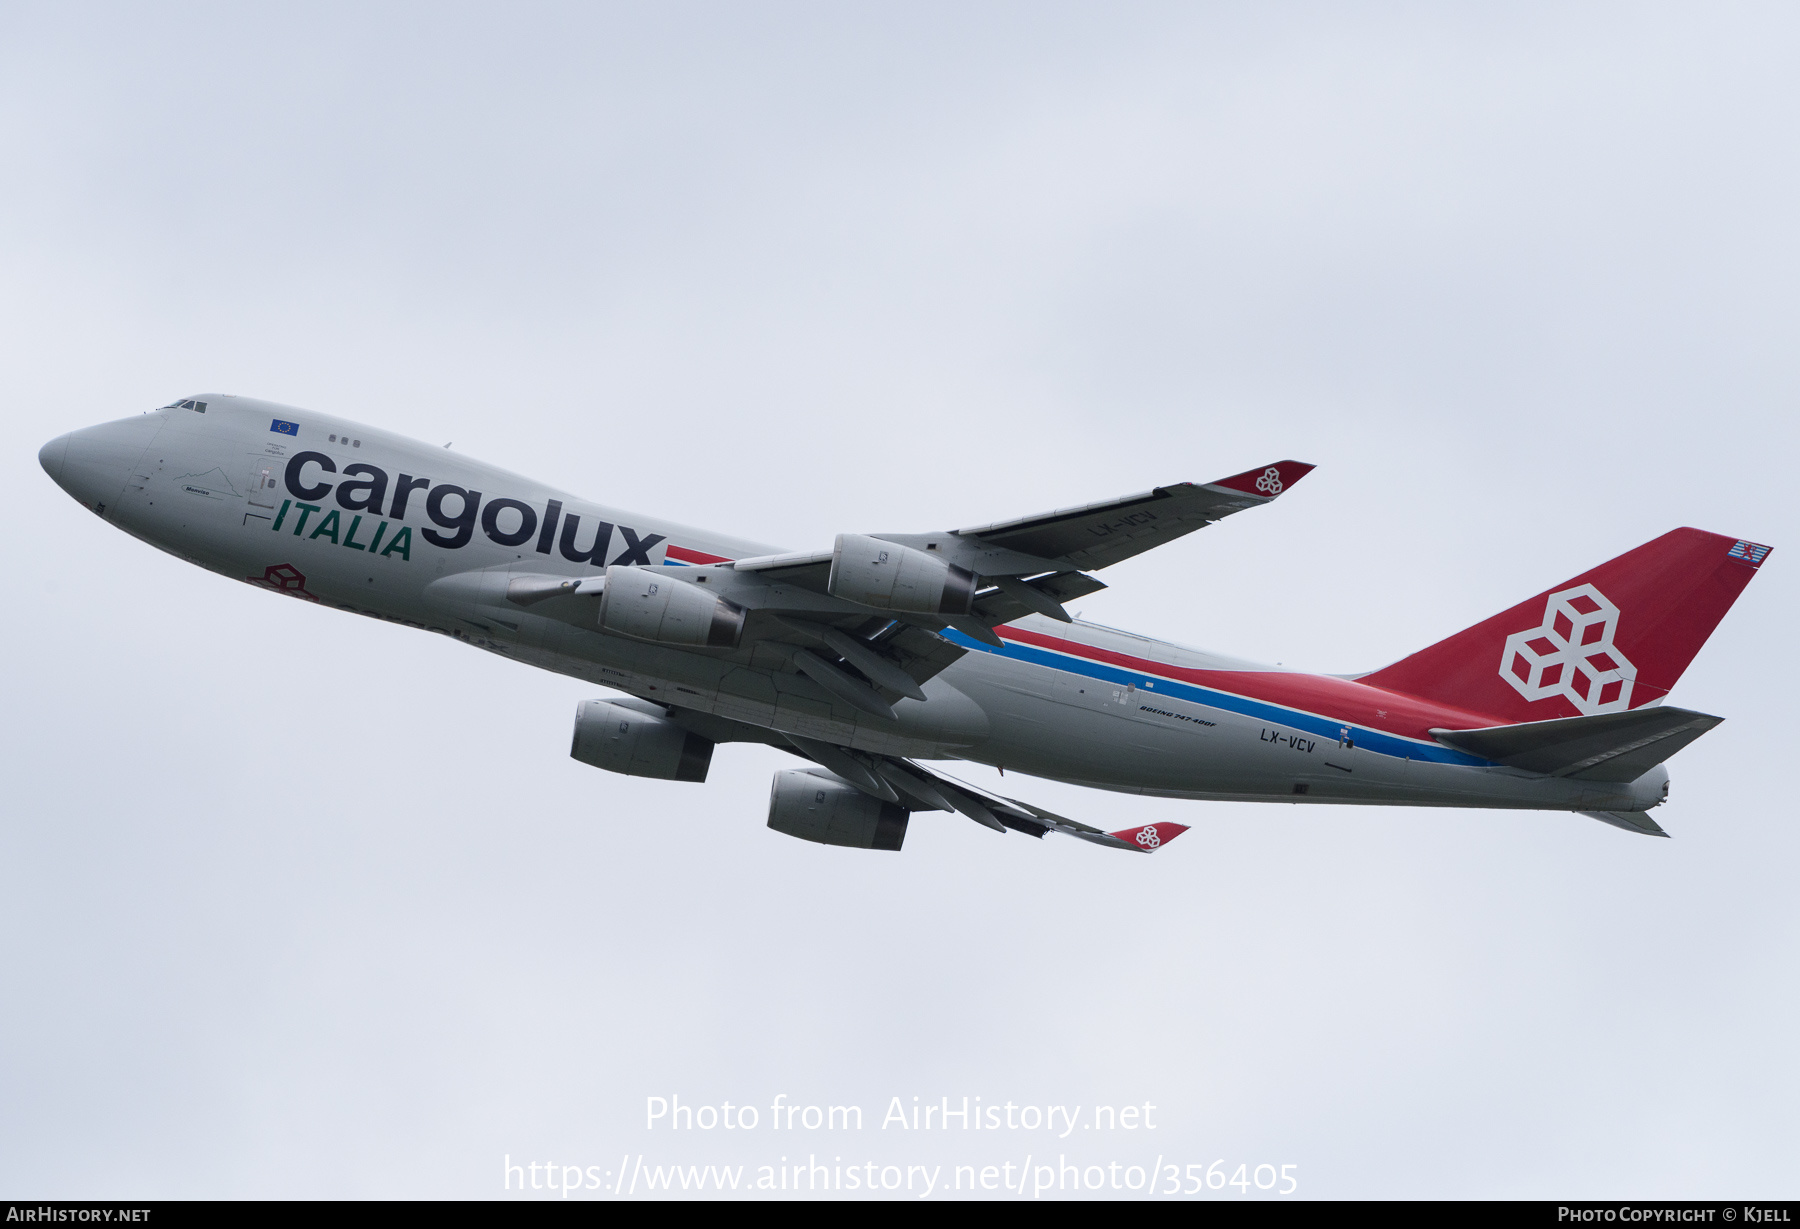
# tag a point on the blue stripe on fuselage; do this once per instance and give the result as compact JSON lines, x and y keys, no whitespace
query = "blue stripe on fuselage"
{"x":1369,"y":740}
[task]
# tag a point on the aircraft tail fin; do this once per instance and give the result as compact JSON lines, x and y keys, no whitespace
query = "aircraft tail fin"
{"x":1607,"y":641}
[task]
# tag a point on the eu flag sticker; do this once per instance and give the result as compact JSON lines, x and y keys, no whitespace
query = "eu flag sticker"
{"x":285,"y":428}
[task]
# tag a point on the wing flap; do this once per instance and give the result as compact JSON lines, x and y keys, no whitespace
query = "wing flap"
{"x":1002,"y":606}
{"x":923,"y":654}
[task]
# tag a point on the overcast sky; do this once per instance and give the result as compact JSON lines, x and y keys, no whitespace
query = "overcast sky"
{"x":298,"y":904}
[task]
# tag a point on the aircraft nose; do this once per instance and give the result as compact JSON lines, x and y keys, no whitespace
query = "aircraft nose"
{"x":50,"y":456}
{"x":93,"y":463}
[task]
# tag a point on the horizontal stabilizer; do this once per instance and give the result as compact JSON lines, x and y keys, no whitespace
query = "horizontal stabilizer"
{"x":1603,"y":747}
{"x":1632,"y":821}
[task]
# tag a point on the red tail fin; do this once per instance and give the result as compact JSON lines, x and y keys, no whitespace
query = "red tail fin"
{"x":1611,"y":639}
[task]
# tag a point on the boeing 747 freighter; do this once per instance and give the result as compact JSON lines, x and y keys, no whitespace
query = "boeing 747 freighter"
{"x":880,"y":656}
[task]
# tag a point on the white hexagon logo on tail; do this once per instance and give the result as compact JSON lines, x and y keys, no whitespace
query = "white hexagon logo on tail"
{"x":1572,"y":655}
{"x":1270,"y":482}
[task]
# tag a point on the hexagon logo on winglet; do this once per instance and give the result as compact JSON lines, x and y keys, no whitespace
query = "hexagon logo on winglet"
{"x":1150,"y":837}
{"x":1267,"y":481}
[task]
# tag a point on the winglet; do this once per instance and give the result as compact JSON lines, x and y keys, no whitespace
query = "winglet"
{"x":1267,"y":481}
{"x":1150,"y":837}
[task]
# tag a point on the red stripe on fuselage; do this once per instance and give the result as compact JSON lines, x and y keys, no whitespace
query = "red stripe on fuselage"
{"x":694,"y":556}
{"x":1339,"y":699}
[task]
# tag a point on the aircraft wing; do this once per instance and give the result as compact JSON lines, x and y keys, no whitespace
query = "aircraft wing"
{"x":1069,"y":539}
{"x":877,"y":633}
{"x":1099,"y":535}
{"x":1035,"y":564}
{"x":918,"y":788}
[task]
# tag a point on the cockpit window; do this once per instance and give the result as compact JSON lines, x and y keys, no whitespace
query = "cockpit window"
{"x":199,"y":407}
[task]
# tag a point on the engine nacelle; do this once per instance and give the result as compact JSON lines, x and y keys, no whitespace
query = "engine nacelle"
{"x":816,"y":808}
{"x":638,"y":744}
{"x":889,"y":576}
{"x":645,"y":604}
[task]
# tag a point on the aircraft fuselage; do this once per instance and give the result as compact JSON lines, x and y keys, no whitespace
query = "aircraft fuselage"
{"x":363,"y":521}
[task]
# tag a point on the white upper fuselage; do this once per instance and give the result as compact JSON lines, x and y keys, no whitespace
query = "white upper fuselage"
{"x":365,"y":521}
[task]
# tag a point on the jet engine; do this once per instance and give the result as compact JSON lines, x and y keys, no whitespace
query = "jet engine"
{"x":619,"y":739}
{"x":645,"y":604}
{"x":889,"y":576}
{"x":812,"y":807}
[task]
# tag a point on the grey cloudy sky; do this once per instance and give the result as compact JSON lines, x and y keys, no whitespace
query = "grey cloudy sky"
{"x":297,"y":904}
